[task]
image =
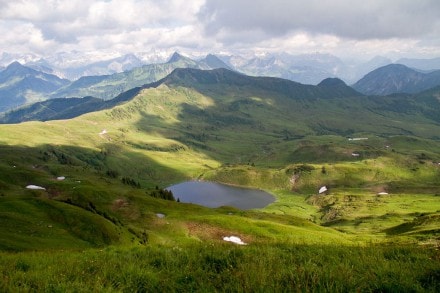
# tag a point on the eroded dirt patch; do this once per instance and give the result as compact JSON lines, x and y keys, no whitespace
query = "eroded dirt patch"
{"x":209,"y":232}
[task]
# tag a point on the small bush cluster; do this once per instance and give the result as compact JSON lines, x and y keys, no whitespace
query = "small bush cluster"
{"x":142,"y":236}
{"x":131,"y":182}
{"x":303,"y":168}
{"x":112,"y":173}
{"x":162,"y":193}
{"x":90,"y":206}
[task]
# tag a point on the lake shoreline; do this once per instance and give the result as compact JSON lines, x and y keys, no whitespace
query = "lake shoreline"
{"x":215,"y":194}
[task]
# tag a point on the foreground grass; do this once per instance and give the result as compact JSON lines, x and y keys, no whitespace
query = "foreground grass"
{"x":270,"y":267}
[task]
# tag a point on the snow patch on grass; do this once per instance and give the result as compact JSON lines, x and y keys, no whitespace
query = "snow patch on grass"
{"x":234,"y":239}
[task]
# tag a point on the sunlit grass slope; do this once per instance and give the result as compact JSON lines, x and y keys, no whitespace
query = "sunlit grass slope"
{"x":242,"y":134}
{"x":383,"y":188}
{"x":209,"y":268}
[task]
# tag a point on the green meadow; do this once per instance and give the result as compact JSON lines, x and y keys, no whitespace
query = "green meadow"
{"x":98,"y":229}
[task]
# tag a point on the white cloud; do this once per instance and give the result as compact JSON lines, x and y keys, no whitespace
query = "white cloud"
{"x":372,"y":19}
{"x":72,"y":19}
{"x":344,"y":27}
{"x":50,"y":11}
{"x":16,"y":36}
{"x":296,"y":26}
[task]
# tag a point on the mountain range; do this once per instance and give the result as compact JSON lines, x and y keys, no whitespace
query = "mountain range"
{"x":108,"y":86}
{"x":72,"y":65}
{"x":64,"y":108}
{"x":262,"y":101}
{"x":21,"y":85}
{"x":75,"y":71}
{"x":304,"y":68}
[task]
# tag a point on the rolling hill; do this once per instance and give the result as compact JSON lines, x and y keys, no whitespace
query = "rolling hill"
{"x":396,"y":78}
{"x":227,"y":117}
{"x":322,"y":109}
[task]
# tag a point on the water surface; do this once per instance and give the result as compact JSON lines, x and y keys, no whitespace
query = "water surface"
{"x":213,"y":195}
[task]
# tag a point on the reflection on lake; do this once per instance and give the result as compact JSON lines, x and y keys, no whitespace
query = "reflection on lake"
{"x":213,"y":195}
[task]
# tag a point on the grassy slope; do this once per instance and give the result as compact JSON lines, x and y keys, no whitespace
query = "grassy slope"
{"x":167,"y":135}
{"x":257,"y":268}
{"x":179,"y":133}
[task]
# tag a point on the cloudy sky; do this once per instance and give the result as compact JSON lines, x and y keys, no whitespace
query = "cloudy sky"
{"x":346,"y":28}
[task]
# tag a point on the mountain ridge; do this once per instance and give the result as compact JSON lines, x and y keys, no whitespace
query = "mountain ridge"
{"x":188,"y":76}
{"x":331,"y":92}
{"x":421,"y":64}
{"x":20,"y":84}
{"x":396,"y":78}
{"x":191,"y":77}
{"x":43,"y":86}
{"x":108,"y":86}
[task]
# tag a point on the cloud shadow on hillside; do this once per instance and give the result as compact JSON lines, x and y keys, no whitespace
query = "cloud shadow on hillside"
{"x":22,"y":164}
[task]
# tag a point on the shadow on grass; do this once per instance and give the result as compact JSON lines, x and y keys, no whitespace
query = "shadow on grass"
{"x":252,"y":117}
{"x":27,"y":165}
{"x":77,"y":210}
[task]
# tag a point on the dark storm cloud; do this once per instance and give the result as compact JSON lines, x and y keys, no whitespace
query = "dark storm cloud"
{"x":359,"y":20}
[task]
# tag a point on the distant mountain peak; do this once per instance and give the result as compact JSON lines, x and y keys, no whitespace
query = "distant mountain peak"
{"x":15,"y":64}
{"x":333,"y":81}
{"x":213,"y":61}
{"x":16,"y":68}
{"x":395,"y":66}
{"x":396,"y":78}
{"x":17,"y":80}
{"x":176,"y":57}
{"x":211,"y":57}
{"x":338,"y":87}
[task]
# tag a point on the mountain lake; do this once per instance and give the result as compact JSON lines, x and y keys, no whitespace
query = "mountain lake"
{"x":213,"y":195}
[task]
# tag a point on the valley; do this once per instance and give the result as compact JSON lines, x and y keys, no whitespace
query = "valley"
{"x":375,"y":229}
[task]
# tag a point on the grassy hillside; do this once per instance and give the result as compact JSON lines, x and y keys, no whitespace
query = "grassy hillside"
{"x":270,"y":267}
{"x":119,"y":237}
{"x":239,"y":134}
